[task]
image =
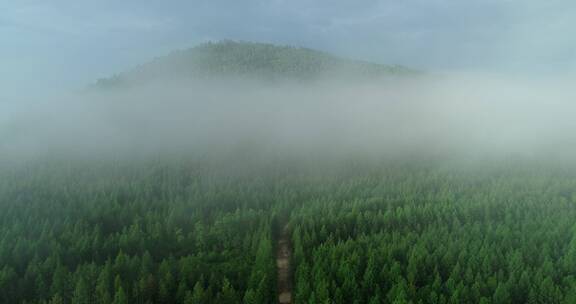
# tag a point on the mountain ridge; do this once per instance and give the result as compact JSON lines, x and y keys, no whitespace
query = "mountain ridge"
{"x":250,"y":60}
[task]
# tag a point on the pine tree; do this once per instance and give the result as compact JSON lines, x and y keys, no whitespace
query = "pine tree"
{"x":60,"y":282}
{"x":302,"y":283}
{"x":56,"y":299}
{"x":227,"y":295}
{"x":188,"y":298}
{"x":198,"y":294}
{"x":376,"y":298}
{"x":399,"y":293}
{"x":81,"y":293}
{"x":322,"y":293}
{"x":570,"y":296}
{"x":181,"y":292}
{"x":250,"y":297}
{"x":8,"y":277}
{"x":501,"y":295}
{"x":120,"y":296}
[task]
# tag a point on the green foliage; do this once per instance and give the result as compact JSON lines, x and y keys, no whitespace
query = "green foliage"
{"x":427,"y":234}
{"x":187,"y":232}
{"x":138,"y":233}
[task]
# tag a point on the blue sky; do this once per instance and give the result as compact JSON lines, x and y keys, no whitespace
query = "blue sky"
{"x":53,"y":45}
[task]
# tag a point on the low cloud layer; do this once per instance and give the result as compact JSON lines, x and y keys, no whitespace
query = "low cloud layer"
{"x":449,"y":116}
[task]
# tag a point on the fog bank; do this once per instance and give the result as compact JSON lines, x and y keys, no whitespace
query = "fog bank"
{"x":436,"y":115}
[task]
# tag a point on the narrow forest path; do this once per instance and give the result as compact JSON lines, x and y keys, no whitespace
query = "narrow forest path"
{"x":283,"y":258}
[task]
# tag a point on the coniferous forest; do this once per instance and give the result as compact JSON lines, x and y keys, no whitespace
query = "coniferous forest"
{"x":193,"y":232}
{"x":287,"y":152}
{"x":251,"y":173}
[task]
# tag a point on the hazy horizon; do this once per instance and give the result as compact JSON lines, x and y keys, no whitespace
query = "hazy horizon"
{"x":61,"y":45}
{"x":500,"y":73}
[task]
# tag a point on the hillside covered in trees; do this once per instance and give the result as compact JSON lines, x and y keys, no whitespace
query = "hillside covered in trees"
{"x":247,"y":60}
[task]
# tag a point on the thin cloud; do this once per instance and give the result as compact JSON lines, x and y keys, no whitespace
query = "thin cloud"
{"x":47,"y":18}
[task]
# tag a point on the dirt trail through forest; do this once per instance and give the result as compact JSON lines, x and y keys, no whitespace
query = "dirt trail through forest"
{"x":283,"y":257}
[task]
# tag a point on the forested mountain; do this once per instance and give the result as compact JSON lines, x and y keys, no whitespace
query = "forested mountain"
{"x":249,"y":61}
{"x":206,"y":227}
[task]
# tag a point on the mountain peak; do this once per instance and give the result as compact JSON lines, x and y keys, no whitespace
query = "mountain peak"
{"x":249,"y":60}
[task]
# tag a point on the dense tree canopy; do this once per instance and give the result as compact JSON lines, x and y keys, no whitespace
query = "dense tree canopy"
{"x":133,"y":234}
{"x":188,"y":232}
{"x":436,"y":236}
